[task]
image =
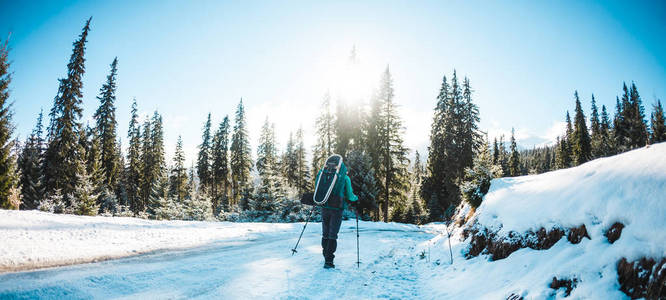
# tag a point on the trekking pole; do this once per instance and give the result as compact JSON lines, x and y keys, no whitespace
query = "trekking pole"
{"x":293,"y":251}
{"x":358,"y":261}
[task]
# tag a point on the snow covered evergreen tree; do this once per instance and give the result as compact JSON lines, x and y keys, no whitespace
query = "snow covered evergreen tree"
{"x":7,"y":176}
{"x":478,"y":177}
{"x":581,"y":149}
{"x":391,"y":155}
{"x":30,"y":163}
{"x":324,"y":136}
{"x":105,"y":118}
{"x":220,"y":167}
{"x":178,"y":178}
{"x":133,"y":170}
{"x":85,"y":196}
{"x":241,"y":158}
{"x":657,"y":124}
{"x":270,"y":191}
{"x":204,"y":158}
{"x":63,"y":155}
{"x":595,"y":131}
{"x":303,"y":181}
{"x":514,"y":159}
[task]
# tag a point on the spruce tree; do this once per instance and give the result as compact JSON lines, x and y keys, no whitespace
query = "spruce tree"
{"x":241,"y":159}
{"x":289,"y":162}
{"x":622,"y":121}
{"x":147,"y":166}
{"x":178,"y":179}
{"x":302,"y":170}
{"x":606,"y":146}
{"x":638,"y":133}
{"x":438,"y":188}
{"x":324,"y":136}
{"x":134,"y":171}
{"x":595,"y":130}
{"x":159,"y":180}
{"x":220,"y":167}
{"x":30,"y":163}
{"x":270,"y":191}
{"x":85,"y":195}
{"x":581,"y":149}
{"x":7,"y":177}
{"x":392,"y":155}
{"x":514,"y":161}
{"x":478,"y":177}
{"x":657,"y":124}
{"x":62,"y":160}
{"x":204,"y":158}
{"x":105,"y":117}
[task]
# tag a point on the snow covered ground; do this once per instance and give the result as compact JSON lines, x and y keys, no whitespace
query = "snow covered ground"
{"x":253,"y":260}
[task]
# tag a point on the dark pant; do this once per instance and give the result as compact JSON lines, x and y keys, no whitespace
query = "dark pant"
{"x":330,"y":225}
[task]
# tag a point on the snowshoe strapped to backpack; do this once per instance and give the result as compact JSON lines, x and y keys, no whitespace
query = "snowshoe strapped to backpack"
{"x":324,"y":193}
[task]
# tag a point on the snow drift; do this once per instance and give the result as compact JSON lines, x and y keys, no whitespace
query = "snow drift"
{"x":575,"y":208}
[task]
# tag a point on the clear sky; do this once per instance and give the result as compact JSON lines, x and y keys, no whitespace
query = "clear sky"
{"x":188,"y":58}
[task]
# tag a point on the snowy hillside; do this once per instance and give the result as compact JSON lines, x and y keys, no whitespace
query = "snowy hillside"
{"x":548,"y":236}
{"x":568,"y":215}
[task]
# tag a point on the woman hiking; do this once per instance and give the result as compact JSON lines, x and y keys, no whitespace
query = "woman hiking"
{"x":332,"y":188}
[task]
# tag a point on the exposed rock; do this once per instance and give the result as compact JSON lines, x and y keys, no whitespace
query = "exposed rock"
{"x":644,"y":278}
{"x":566,"y":283}
{"x":577,"y":234}
{"x":514,"y":296}
{"x":613,"y":233}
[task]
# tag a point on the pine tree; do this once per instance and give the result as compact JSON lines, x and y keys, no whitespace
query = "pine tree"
{"x":105,"y":117}
{"x":606,"y":146}
{"x":595,"y":131}
{"x":478,"y":177}
{"x":392,"y":154}
{"x":514,"y":162}
{"x":270,"y":192}
{"x":85,"y":195}
{"x":621,"y":127}
{"x":159,"y":180}
{"x":636,"y":115}
{"x":469,"y":136}
{"x":220,"y":167}
{"x":581,"y":149}
{"x":241,"y":159}
{"x":302,"y":170}
{"x":134,"y":167}
{"x":439,"y":188}
{"x":30,"y":163}
{"x":324,"y":136}
{"x":178,"y":180}
{"x":204,"y":158}
{"x":62,"y":160}
{"x":657,"y":124}
{"x":147,"y":166}
{"x":289,"y":162}
{"x":7,"y":177}
{"x":496,"y":153}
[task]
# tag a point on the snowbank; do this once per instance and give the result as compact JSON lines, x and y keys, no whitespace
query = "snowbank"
{"x":34,"y":239}
{"x":629,"y":188}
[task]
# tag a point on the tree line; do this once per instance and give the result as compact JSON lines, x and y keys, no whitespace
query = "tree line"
{"x":69,"y":167}
{"x":626,"y":130}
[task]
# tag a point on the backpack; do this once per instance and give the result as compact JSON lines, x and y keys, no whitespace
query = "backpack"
{"x":329,"y":184}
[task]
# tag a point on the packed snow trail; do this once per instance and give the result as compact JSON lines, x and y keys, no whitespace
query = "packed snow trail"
{"x":242,"y":269}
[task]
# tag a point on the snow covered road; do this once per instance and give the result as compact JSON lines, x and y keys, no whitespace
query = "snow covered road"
{"x":256,"y":268}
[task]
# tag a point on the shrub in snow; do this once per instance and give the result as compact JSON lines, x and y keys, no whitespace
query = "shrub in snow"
{"x":198,"y":208}
{"x":477,"y":179}
{"x":108,"y":203}
{"x":169,"y":209}
{"x":53,"y":203}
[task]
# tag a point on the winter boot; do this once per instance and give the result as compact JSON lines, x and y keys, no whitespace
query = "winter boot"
{"x":329,"y":265}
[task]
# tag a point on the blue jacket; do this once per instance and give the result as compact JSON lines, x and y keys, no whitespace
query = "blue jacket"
{"x":342,"y":187}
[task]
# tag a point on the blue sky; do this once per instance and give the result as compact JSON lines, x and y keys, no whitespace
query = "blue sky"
{"x":188,"y":58}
